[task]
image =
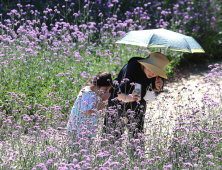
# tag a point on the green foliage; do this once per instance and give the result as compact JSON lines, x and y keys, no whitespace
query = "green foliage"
{"x":33,"y":76}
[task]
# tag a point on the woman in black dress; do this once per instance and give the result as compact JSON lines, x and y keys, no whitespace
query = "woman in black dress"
{"x":126,"y":106}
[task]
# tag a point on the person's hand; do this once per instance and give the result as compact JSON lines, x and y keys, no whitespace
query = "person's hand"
{"x":158,"y":83}
{"x":128,"y":98}
{"x":105,"y":96}
{"x":135,"y":97}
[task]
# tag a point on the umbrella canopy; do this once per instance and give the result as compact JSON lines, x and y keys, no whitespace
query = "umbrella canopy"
{"x":162,"y":38}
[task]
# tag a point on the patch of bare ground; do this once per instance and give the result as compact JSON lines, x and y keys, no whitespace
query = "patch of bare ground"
{"x":177,"y":96}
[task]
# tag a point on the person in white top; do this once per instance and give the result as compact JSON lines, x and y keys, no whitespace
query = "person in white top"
{"x":89,"y":100}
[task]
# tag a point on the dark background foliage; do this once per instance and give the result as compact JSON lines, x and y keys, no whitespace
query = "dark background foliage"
{"x":209,"y":38}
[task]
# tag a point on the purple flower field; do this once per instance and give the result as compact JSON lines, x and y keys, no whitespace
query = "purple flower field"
{"x":45,"y":61}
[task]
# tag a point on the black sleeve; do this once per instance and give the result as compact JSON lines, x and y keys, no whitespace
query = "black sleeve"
{"x":128,"y":75}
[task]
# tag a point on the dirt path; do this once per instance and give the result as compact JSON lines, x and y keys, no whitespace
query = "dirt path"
{"x":161,"y":115}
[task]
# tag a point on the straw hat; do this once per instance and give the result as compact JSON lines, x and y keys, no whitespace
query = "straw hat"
{"x":156,"y":63}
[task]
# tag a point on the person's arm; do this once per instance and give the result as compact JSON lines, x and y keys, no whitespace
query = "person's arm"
{"x":128,"y":98}
{"x":101,"y":104}
{"x":126,"y":88}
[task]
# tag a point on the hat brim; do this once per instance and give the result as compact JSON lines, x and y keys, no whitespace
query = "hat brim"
{"x":154,"y":69}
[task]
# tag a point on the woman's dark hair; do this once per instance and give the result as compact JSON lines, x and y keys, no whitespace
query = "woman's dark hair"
{"x":153,"y":83}
{"x":101,"y":79}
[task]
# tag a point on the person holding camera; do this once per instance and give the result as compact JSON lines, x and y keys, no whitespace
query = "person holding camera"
{"x":126,"y":104}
